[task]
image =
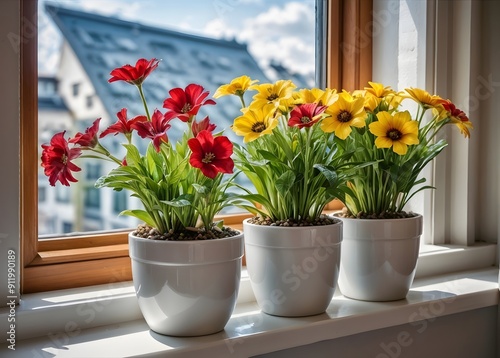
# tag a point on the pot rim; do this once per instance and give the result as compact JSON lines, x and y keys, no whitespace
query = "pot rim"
{"x":246,"y":222}
{"x":336,"y":215}
{"x":297,"y":237}
{"x":188,"y":252}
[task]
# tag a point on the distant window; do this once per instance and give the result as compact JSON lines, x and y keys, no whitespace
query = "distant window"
{"x":93,"y":171}
{"x":63,"y":194}
{"x":90,"y":101}
{"x":42,"y":194}
{"x":76,"y":89}
{"x":119,"y":201}
{"x":92,"y":198}
{"x":67,"y":227}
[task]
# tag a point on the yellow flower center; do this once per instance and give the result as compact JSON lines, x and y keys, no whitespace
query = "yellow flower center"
{"x":394,"y":134}
{"x":344,"y":116}
{"x":258,"y":127}
{"x":64,"y":159}
{"x":187,"y":107}
{"x":209,"y":157}
{"x":305,"y":119}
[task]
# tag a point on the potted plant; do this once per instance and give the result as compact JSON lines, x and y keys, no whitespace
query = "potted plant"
{"x":186,"y":267}
{"x":292,"y":248}
{"x":381,"y":239}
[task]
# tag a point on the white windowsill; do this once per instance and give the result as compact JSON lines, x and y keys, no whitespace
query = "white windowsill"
{"x":105,"y":321}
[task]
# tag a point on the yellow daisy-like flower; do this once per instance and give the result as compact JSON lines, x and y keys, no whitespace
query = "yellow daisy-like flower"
{"x":255,"y":122}
{"x":308,"y":95}
{"x":346,"y":112}
{"x":237,"y":86}
{"x":422,"y":97}
{"x":378,"y":90}
{"x":377,"y":93}
{"x":397,"y":131}
{"x":274,"y":93}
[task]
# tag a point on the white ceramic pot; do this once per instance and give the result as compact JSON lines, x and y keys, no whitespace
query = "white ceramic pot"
{"x":379,"y":258}
{"x":293,"y":270}
{"x":186,"y":288}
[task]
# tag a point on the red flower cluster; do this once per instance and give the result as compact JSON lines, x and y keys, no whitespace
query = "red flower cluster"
{"x":210,"y":154}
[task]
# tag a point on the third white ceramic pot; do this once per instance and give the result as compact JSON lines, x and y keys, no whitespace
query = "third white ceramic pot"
{"x":379,"y":258}
{"x":293,"y":270}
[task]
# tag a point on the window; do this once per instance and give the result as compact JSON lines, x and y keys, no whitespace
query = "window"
{"x":63,"y":194}
{"x":92,"y":198}
{"x":114,"y":265}
{"x":120,"y":201}
{"x":76,"y":89}
{"x":93,"y":171}
{"x":89,"y":101}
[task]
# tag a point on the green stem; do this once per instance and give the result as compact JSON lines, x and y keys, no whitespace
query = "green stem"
{"x":143,"y":98}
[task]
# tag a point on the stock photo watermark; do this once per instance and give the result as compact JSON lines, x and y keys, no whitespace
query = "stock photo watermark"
{"x":11,"y":298}
{"x":419,"y":321}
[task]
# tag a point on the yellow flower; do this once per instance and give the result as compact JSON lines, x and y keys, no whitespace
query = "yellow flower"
{"x":255,"y":122}
{"x":237,"y":86}
{"x":422,"y":97}
{"x":308,"y":95}
{"x":396,"y":131}
{"x":272,"y":93}
{"x":345,"y":113}
{"x":315,"y":95}
{"x":377,"y":93}
{"x":378,"y":90}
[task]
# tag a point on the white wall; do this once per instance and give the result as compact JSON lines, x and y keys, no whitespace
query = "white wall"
{"x":400,"y":61}
{"x":9,"y":141}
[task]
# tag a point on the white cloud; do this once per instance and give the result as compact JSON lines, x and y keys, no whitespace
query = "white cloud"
{"x":282,"y":34}
{"x":110,"y":7}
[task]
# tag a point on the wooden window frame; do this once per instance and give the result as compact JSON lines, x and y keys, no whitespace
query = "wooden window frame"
{"x":102,"y":258}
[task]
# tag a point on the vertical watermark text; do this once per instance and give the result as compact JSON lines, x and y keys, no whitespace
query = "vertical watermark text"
{"x":11,"y":298}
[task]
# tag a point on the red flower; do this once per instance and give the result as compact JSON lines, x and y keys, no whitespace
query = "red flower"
{"x":186,"y":103}
{"x":134,"y":74}
{"x":197,"y":127}
{"x":458,"y":117}
{"x":56,"y":159}
{"x":156,"y":129}
{"x":122,"y":125}
{"x":89,"y":138}
{"x":454,"y":112}
{"x":305,"y":115}
{"x":211,"y":154}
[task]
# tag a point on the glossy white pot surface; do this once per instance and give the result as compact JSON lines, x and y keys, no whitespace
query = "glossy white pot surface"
{"x":379,"y":258}
{"x":293,"y":270}
{"x":186,"y":288}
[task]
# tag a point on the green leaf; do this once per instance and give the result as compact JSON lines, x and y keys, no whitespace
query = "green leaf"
{"x":201,"y":189}
{"x":141,"y":215}
{"x":285,"y":182}
{"x":133,"y":155}
{"x":329,"y":174}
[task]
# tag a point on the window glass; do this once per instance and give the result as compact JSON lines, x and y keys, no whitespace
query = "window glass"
{"x":206,"y":42}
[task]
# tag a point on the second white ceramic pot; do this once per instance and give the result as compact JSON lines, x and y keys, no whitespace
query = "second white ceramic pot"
{"x":379,"y":258}
{"x":186,"y":288}
{"x":293,"y":270}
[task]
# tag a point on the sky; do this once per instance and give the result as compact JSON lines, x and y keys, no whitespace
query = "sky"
{"x":282,"y":30}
